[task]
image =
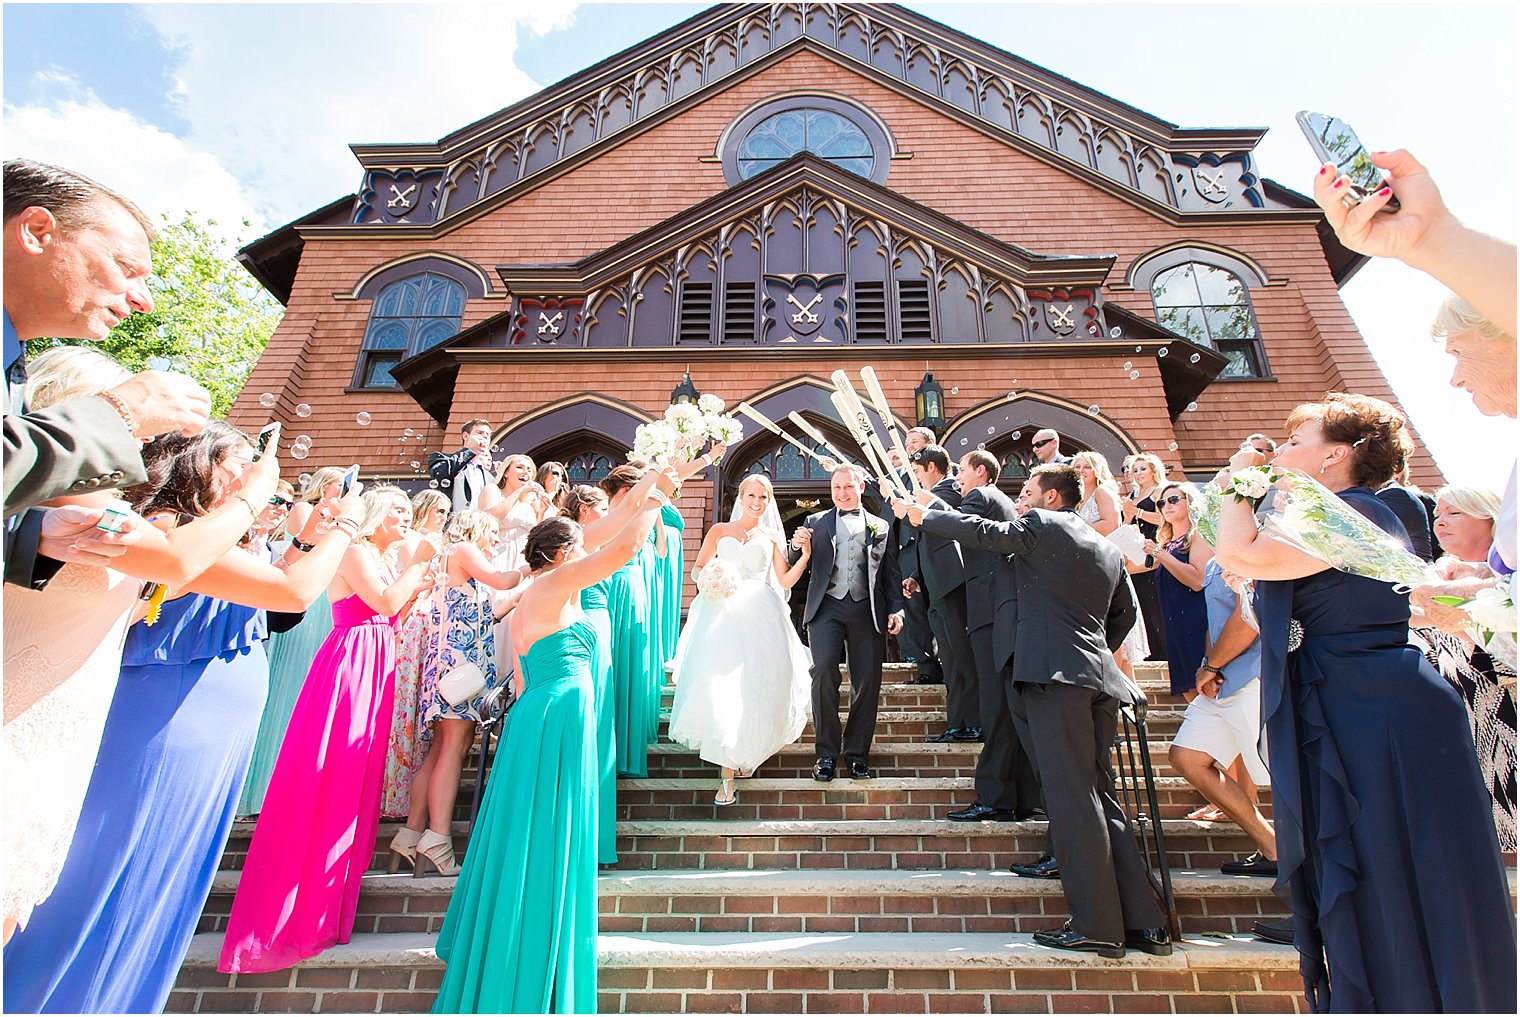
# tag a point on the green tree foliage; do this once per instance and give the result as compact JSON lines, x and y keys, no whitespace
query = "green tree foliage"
{"x":210,"y":319}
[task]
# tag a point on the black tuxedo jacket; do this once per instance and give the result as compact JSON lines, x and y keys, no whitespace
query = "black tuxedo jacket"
{"x":882,"y":572}
{"x":984,"y":594}
{"x":1074,"y":607}
{"x":936,"y":561}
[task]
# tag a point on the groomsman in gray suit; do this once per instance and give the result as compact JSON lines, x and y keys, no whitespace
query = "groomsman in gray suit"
{"x":854,"y":600}
{"x":1074,"y":609}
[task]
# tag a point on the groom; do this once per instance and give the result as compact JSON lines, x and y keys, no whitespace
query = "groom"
{"x":854,"y":600}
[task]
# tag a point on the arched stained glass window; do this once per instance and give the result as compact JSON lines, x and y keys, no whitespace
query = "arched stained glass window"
{"x":1209,"y":306}
{"x":830,"y":128}
{"x":410,"y":315}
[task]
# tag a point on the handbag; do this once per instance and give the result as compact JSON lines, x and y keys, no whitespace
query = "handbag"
{"x":465,"y":680}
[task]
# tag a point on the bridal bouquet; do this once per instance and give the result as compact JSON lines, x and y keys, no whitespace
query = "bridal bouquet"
{"x":684,"y":432}
{"x":717,"y":580}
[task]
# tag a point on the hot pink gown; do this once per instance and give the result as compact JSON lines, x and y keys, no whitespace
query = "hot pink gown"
{"x":299,"y":888}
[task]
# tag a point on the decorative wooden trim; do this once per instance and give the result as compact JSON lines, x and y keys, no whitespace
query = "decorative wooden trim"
{"x":1097,"y":431}
{"x":464,"y":270}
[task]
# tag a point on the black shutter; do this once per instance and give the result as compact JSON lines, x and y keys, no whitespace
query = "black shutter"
{"x":870,"y":312}
{"x":913,"y":311}
{"x":739,"y":308}
{"x":696,"y":321}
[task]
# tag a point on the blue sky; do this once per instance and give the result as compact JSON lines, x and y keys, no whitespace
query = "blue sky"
{"x":245,"y":111}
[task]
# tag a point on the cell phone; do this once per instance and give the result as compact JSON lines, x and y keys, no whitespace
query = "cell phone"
{"x":1333,"y":140}
{"x":350,"y":475}
{"x":271,"y":432}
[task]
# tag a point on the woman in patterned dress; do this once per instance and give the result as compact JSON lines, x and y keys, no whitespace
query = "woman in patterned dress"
{"x":458,"y":629}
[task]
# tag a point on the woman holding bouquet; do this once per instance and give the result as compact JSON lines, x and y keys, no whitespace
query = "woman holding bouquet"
{"x":1384,"y":832}
{"x":742,"y":679}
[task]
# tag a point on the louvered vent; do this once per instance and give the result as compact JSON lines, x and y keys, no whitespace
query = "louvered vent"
{"x":739,"y":312}
{"x":913,"y":305}
{"x":870,"y":312}
{"x":695,"y":325}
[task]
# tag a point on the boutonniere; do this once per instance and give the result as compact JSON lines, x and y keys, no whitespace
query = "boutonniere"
{"x":875,"y":528}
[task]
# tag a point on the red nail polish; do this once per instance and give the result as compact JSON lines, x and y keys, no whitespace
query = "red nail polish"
{"x":1340,"y":183}
{"x":1385,"y":192}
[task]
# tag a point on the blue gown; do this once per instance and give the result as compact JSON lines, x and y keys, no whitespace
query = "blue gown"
{"x":155,"y":820}
{"x":1185,"y":620}
{"x":1385,"y":843}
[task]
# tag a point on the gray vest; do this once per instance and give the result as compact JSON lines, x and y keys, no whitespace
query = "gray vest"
{"x":849,"y":577}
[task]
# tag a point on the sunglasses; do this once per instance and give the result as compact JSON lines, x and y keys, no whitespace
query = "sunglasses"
{"x":1173,"y":499}
{"x":279,"y":502}
{"x":1042,"y":444}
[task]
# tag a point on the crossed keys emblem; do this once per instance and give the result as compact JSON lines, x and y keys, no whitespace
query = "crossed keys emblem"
{"x":1061,"y":320}
{"x":804,"y":311}
{"x":399,"y":198}
{"x":1211,"y":184}
{"x":549,"y":325}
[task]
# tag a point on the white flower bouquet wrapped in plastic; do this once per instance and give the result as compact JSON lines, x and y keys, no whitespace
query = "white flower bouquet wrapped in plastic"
{"x":717,"y":580}
{"x":684,"y":431}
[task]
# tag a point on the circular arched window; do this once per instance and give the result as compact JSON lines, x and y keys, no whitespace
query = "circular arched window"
{"x":828,"y":128}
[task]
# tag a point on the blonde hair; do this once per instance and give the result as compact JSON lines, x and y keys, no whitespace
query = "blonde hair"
{"x":70,"y":372}
{"x":320,"y":478}
{"x":756,"y":478}
{"x":377,"y":501}
{"x":1158,"y":468}
{"x":1101,"y":473}
{"x":469,"y":526}
{"x":1472,"y":501}
{"x":1457,"y":317}
{"x":506,"y":467}
{"x":1164,"y":532}
{"x":426,"y":500}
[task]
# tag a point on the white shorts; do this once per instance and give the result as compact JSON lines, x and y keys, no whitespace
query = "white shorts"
{"x":1226,"y":728}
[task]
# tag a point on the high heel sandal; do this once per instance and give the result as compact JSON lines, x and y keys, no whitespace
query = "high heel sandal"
{"x":438,"y":851}
{"x":403,"y":849}
{"x":726,"y":794}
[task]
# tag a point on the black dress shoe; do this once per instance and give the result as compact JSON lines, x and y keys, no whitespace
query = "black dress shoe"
{"x":1156,"y":942}
{"x":1280,"y":931}
{"x":824,"y":768}
{"x":1027,"y":814}
{"x":978,"y":812}
{"x":966,"y":734}
{"x":1070,"y":939}
{"x":859,"y":770}
{"x":1253,"y":864}
{"x":925,"y":679}
{"x":948,"y":734}
{"x":1044,"y":867}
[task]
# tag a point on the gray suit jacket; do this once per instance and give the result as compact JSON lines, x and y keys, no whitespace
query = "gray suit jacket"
{"x":72,"y":448}
{"x":882,"y":573}
{"x":983,"y":604}
{"x":1074,"y":607}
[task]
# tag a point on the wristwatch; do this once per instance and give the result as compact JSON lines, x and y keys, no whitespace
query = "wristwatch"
{"x":1206,"y":666}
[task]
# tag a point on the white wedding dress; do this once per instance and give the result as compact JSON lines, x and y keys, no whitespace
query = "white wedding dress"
{"x":743,"y":685}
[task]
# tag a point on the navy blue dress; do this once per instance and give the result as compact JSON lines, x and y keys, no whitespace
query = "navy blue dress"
{"x":1385,"y":842}
{"x":1185,"y":617}
{"x":173,"y":755}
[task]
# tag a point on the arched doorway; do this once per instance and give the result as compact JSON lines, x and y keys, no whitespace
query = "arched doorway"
{"x":590,"y":434}
{"x":1006,"y":427}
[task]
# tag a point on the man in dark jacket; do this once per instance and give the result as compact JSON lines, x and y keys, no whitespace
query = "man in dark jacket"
{"x":468,"y":472}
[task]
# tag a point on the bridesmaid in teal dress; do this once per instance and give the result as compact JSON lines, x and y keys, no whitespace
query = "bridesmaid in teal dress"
{"x":671,"y":576}
{"x":520,"y":933}
{"x":635,"y":707}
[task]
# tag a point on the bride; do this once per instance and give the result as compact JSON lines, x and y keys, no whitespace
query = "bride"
{"x":743,"y":686}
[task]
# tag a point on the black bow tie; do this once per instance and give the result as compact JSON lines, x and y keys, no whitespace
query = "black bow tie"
{"x":849,"y":512}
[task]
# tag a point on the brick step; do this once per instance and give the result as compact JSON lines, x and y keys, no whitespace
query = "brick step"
{"x":805,"y":798}
{"x":787,"y":973}
{"x":920,"y":725}
{"x":901,"y":844}
{"x":889,"y":758}
{"x":809,"y":900}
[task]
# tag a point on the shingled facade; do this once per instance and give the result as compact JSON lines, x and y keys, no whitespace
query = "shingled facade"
{"x":768,"y":192}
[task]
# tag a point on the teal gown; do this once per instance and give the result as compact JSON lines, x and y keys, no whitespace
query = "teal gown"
{"x":594,"y":603}
{"x":671,"y":577}
{"x":654,"y":581}
{"x":520,"y":933}
{"x":636,"y":712}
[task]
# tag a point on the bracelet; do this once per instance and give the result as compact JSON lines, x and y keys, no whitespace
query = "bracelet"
{"x":123,"y":411}
{"x":348,"y":526}
{"x":1206,"y":666}
{"x":301,"y":545}
{"x":248,"y":505}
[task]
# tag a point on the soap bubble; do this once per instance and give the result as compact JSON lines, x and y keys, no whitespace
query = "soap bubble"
{"x":992,"y":430}
{"x":1093,"y":410}
{"x":303,"y":410}
{"x":981,"y":446}
{"x":305,"y":479}
{"x":363,"y":419}
{"x":1191,"y":407}
{"x":1015,"y":435}
{"x":267,"y":400}
{"x":447,"y":483}
{"x":1134,"y":375}
{"x":407,"y":433}
{"x":432,"y":483}
{"x":1171,"y":446}
{"x":1193,"y":359}
{"x":1139,"y":348}
{"x":955,"y":391}
{"x":300,"y":451}
{"x":1128,"y":364}
{"x":1161,"y":352}
{"x":303,"y":439}
{"x":1115,"y":332}
{"x":416,"y":465}
{"x":963,"y":441}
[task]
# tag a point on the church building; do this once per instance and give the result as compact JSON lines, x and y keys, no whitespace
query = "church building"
{"x":766,"y":193}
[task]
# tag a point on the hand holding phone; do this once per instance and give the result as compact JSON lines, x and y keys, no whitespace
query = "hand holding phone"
{"x":347,"y":483}
{"x":270,"y":433}
{"x":1334,"y":141}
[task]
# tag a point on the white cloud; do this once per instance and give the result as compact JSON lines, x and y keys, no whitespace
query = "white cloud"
{"x":276,"y":93}
{"x":164,"y":174}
